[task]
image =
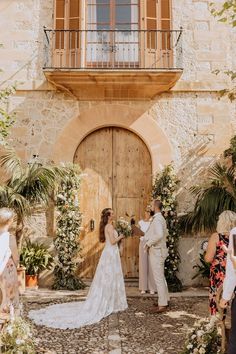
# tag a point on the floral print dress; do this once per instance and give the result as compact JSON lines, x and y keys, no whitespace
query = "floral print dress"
{"x":217,"y":271}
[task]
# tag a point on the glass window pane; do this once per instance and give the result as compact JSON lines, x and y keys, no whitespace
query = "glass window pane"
{"x":74,"y":8}
{"x":151,"y":8}
{"x":123,"y":14}
{"x":103,"y":14}
{"x":165,"y":8}
{"x":127,"y":2}
{"x":60,"y":8}
{"x":103,"y":2}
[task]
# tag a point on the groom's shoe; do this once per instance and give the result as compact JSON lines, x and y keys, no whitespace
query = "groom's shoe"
{"x":155,"y":304}
{"x":157,"y":310}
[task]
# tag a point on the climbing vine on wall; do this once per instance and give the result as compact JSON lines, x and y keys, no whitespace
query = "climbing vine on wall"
{"x":66,"y":243}
{"x":164,"y":188}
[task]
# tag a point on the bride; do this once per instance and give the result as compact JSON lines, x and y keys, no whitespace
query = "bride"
{"x":106,"y":294}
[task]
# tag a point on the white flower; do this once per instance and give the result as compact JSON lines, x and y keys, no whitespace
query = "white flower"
{"x":10,"y":330}
{"x":189,"y":346}
{"x":202,"y":351}
{"x":19,"y":341}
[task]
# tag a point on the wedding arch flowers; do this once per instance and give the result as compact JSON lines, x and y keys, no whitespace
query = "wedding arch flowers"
{"x":66,"y":243}
{"x":164,"y":188}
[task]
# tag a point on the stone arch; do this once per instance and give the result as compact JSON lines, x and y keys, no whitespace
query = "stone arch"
{"x":124,"y":116}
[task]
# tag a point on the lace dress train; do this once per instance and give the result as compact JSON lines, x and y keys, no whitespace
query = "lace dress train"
{"x":106,"y":295}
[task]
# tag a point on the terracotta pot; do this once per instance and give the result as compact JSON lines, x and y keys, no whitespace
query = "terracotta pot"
{"x":31,"y":281}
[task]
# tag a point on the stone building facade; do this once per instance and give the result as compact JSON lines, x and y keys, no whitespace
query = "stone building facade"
{"x":188,"y":124}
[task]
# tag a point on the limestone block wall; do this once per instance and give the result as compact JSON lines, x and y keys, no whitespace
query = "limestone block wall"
{"x":196,"y":124}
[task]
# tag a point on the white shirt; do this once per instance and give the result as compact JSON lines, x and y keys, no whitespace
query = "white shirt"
{"x":144,"y":225}
{"x":230,"y":276}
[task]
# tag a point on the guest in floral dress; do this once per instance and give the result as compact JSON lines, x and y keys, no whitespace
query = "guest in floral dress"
{"x":216,"y":255}
{"x":8,"y":263}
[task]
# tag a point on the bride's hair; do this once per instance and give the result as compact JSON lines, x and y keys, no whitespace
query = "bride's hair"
{"x":103,"y":222}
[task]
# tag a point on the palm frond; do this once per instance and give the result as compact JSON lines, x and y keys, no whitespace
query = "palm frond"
{"x":11,"y":163}
{"x":213,"y":201}
{"x":10,"y":199}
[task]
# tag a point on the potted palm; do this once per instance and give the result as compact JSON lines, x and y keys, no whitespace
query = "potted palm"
{"x":35,"y":258}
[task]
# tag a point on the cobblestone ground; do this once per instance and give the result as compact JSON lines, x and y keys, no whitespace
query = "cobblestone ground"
{"x":140,"y":332}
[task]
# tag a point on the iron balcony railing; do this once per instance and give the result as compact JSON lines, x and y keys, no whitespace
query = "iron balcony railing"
{"x":116,"y":50}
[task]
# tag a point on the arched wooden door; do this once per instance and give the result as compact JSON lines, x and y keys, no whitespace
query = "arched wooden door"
{"x":117,"y":173}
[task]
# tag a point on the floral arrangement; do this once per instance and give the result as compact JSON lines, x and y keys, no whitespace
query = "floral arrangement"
{"x":203,"y":339}
{"x":66,"y":242}
{"x":123,"y":227}
{"x":164,"y":188}
{"x":16,"y":337}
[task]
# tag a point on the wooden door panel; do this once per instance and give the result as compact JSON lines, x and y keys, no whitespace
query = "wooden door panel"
{"x":132,"y":177}
{"x":117,"y":173}
{"x":129,"y":258}
{"x":95,"y":158}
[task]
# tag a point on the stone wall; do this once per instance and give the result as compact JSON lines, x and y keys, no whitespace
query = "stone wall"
{"x":197,"y":125}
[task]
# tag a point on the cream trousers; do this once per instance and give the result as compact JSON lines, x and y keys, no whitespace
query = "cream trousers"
{"x":157,"y":261}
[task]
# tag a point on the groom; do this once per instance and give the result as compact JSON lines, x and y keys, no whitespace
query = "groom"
{"x":155,"y":238}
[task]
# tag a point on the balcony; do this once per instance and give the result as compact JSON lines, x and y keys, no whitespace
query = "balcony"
{"x":106,"y":65}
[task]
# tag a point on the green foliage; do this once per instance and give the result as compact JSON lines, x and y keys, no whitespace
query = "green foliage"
{"x":231,"y":151}
{"x":35,"y":258}
{"x":203,"y":269}
{"x":28,"y":186}
{"x":226,"y":13}
{"x":213,"y":198}
{"x":203,"y":339}
{"x":6,"y":120}
{"x":16,"y":337}
{"x":164,"y":188}
{"x":68,"y":230}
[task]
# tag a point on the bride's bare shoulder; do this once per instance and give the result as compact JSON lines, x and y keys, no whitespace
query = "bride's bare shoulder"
{"x":109,"y":227}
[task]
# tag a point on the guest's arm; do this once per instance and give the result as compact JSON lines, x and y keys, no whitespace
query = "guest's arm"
{"x":14,"y":250}
{"x":211,"y":248}
{"x":230,"y":276}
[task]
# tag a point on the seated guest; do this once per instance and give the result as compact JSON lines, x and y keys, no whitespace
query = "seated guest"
{"x":216,"y":255}
{"x":8,"y":263}
{"x":229,"y":287}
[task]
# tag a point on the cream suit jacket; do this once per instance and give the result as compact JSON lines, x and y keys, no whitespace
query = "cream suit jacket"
{"x":157,"y":232}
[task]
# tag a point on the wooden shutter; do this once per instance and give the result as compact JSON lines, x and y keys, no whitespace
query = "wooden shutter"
{"x":60,"y":19}
{"x":165,"y":23}
{"x":67,"y":17}
{"x":151,"y":23}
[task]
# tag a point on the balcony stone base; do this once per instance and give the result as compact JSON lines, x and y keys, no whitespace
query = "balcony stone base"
{"x":113,"y":84}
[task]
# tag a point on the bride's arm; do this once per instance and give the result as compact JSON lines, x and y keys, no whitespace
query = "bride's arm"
{"x":112,"y":238}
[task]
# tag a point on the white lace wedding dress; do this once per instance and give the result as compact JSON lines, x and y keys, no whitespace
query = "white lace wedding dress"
{"x":106,"y":295}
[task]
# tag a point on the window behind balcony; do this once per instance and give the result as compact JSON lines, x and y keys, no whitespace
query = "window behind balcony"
{"x":112,"y":33}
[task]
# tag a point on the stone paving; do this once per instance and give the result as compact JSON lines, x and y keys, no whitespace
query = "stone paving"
{"x":133,"y":331}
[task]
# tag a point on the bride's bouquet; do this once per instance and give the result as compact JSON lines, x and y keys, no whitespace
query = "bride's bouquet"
{"x":123,"y":227}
